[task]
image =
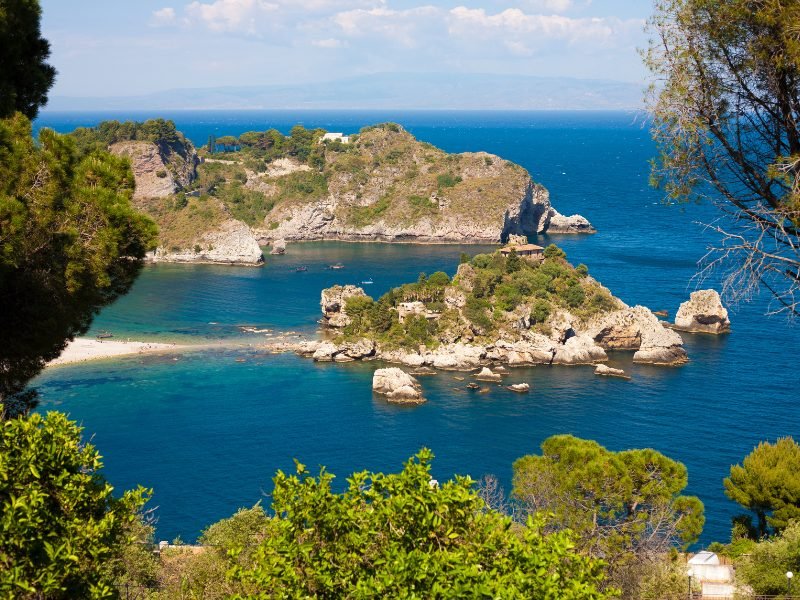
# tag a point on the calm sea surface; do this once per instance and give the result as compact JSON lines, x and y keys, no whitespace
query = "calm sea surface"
{"x":208,"y":432}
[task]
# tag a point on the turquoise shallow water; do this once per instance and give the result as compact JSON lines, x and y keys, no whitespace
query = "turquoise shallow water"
{"x":208,"y":432}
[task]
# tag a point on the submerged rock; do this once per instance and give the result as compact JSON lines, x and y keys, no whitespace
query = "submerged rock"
{"x":397,"y":385}
{"x":703,"y":313}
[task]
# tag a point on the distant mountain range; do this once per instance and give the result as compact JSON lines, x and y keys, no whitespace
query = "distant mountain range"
{"x":430,"y":91}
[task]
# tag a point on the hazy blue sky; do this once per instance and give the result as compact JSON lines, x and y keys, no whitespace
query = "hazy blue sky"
{"x":113,"y":48}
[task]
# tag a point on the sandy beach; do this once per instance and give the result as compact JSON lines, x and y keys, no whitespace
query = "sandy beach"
{"x":85,"y":349}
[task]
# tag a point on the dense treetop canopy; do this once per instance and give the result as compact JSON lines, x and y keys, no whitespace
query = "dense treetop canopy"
{"x":768,"y":484}
{"x":25,"y":76}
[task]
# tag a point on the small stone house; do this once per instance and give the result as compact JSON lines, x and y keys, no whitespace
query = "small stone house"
{"x":527,"y":251}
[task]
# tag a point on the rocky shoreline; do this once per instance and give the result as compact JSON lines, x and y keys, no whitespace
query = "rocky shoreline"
{"x":571,"y":341}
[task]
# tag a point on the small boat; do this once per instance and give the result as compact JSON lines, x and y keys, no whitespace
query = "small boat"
{"x":337,"y":266}
{"x":661,"y":313}
{"x":301,"y":269}
{"x":367,"y":281}
{"x":104,"y":335}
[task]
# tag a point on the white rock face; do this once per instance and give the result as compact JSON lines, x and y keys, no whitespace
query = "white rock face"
{"x":638,"y":329}
{"x":333,"y":301}
{"x":527,"y":211}
{"x":360,"y":349}
{"x":397,"y":385}
{"x":703,"y":313}
{"x":579,"y":350}
{"x":456,"y":356}
{"x":519,"y":387}
{"x":231,"y":243}
{"x":278,"y":247}
{"x":486,"y":374}
{"x":572,"y":224}
{"x":325,"y":352}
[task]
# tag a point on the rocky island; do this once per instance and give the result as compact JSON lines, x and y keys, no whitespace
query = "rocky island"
{"x":499,"y":309}
{"x":220,"y":203}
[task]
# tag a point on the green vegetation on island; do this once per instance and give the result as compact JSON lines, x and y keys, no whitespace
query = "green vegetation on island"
{"x":488,"y":297}
{"x":282,"y":185}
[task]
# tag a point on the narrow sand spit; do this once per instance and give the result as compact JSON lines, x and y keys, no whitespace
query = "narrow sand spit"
{"x":85,"y":349}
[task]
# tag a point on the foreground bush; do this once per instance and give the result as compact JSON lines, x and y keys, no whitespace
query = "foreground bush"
{"x":62,"y":533}
{"x":404,"y":536}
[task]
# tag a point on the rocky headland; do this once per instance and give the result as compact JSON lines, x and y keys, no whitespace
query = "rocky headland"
{"x":220,"y":204}
{"x":496,"y":311}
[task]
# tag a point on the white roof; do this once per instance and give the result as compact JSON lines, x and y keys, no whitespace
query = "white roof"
{"x":332,"y":136}
{"x":704,"y":558}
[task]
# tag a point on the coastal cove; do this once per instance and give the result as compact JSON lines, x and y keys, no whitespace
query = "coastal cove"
{"x":242,"y":413}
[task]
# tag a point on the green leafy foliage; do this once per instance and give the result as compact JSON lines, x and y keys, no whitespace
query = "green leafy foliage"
{"x":71,"y":243}
{"x":404,"y":536}
{"x":448,"y":180}
{"x":62,"y":533}
{"x":764,"y":566}
{"x":623,"y":506}
{"x":553,"y":251}
{"x":767,"y":483}
{"x":26,"y":77}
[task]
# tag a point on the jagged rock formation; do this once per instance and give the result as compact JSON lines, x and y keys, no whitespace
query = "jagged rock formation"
{"x":703,"y":313}
{"x":397,"y":385}
{"x":231,"y":243}
{"x":638,"y":329}
{"x":333,"y":303}
{"x":160,"y":169}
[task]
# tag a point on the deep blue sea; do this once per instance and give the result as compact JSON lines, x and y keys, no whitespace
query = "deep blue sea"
{"x":208,"y":432}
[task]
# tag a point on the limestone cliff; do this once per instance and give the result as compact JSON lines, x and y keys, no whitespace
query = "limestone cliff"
{"x":160,"y":169}
{"x":231,"y":242}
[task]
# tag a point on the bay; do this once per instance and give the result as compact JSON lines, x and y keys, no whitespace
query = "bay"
{"x":208,"y":432}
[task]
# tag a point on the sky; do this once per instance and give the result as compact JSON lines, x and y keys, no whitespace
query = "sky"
{"x":132,"y":47}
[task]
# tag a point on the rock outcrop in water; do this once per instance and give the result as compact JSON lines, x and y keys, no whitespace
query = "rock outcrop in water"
{"x":230,"y":243}
{"x":703,"y":313}
{"x":639,"y":330}
{"x":397,"y":385}
{"x":333,"y":302}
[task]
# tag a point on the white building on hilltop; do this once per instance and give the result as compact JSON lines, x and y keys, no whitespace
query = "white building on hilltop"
{"x":345,"y":139}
